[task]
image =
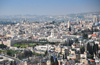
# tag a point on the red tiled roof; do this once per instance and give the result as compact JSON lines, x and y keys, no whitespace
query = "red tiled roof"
{"x":68,"y":33}
{"x":74,"y":44}
{"x":67,"y":63}
{"x":3,"y":37}
{"x":72,"y":58}
{"x":92,"y":60}
{"x":94,"y":35}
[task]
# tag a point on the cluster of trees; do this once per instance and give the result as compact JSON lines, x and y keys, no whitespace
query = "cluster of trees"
{"x":49,"y":27}
{"x":27,"y":53}
{"x":69,"y":28}
{"x":2,"y":46}
{"x":75,"y":33}
{"x":46,"y":52}
{"x":76,"y":40}
{"x":85,"y":36}
{"x":82,"y":49}
{"x":52,"y":43}
{"x":13,"y":63}
{"x":70,"y":43}
{"x":54,"y":61}
{"x":37,"y":54}
{"x":90,"y":31}
{"x":43,"y":40}
{"x":90,"y":56}
{"x":65,"y":56}
{"x":11,"y":52}
{"x":30,"y":41}
{"x":92,"y":49}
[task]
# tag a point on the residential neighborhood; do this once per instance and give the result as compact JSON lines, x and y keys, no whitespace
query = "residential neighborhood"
{"x":49,"y":32}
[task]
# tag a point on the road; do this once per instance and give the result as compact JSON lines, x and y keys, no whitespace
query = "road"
{"x":18,"y":62}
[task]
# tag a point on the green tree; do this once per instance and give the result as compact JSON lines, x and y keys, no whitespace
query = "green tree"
{"x":76,"y":40}
{"x":94,"y":48}
{"x":65,"y":56}
{"x":90,"y":56}
{"x":88,"y":46}
{"x":10,"y":52}
{"x":90,"y":49}
{"x":15,"y":62}
{"x":2,"y":46}
{"x":85,"y":36}
{"x":27,"y":53}
{"x":52,"y":60}
{"x":56,"y":61}
{"x":69,"y":28}
{"x":75,"y":33}
{"x":92,"y":30}
{"x":70,"y":43}
{"x":82,"y":49}
{"x":12,"y":63}
{"x":46,"y":52}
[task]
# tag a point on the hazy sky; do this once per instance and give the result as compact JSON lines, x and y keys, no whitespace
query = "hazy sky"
{"x":48,"y":7}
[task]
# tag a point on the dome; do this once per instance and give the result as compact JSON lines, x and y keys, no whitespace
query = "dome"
{"x":97,"y":24}
{"x":93,"y":23}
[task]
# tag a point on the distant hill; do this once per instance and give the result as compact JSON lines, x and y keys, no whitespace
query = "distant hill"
{"x":44,"y":18}
{"x":6,"y":23}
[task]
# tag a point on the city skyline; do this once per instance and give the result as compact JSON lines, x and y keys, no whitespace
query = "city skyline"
{"x":44,"y":7}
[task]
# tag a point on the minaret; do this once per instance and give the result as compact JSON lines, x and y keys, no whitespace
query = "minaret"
{"x":69,"y":27}
{"x":2,"y":43}
{"x":68,"y":24}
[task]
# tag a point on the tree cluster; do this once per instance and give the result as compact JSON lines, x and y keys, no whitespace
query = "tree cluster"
{"x":70,"y":43}
{"x":13,"y":63}
{"x":65,"y":56}
{"x":90,"y":30}
{"x":69,"y":28}
{"x":85,"y":36}
{"x":2,"y":46}
{"x":82,"y":49}
{"x":27,"y":53}
{"x":54,"y":61}
{"x":92,"y":49}
{"x":76,"y":40}
{"x":11,"y":52}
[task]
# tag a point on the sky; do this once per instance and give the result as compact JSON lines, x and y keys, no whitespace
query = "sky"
{"x":48,"y":7}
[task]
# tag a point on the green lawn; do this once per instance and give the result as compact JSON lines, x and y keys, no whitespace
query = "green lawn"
{"x":24,"y":45}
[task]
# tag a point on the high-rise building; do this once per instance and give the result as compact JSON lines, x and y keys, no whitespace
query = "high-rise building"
{"x":68,"y":24}
{"x":95,"y":19}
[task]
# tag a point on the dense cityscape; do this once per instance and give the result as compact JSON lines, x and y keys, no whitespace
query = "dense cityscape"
{"x":29,"y":38}
{"x":50,"y":43}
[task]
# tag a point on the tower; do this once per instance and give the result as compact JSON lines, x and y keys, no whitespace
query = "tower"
{"x":68,"y":24}
{"x":53,"y":32}
{"x":95,"y":19}
{"x":69,"y":27}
